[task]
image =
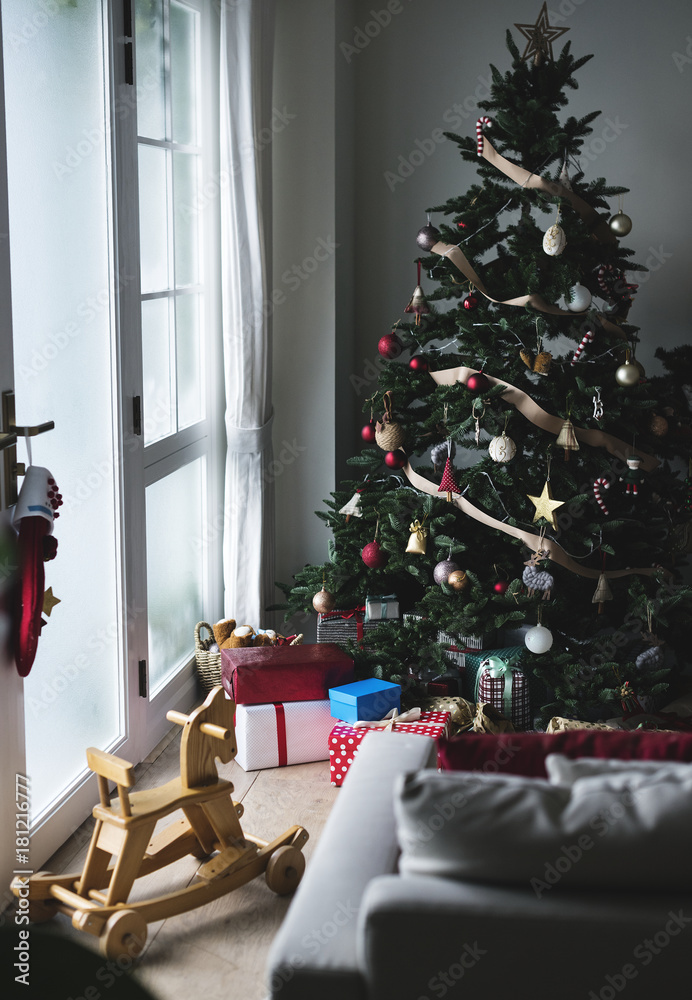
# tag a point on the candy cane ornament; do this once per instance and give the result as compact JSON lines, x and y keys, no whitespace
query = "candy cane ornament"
{"x":483,"y":120}
{"x":598,"y":485}
{"x":586,"y":339}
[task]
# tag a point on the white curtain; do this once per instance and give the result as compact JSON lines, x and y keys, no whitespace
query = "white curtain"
{"x":247,"y":39}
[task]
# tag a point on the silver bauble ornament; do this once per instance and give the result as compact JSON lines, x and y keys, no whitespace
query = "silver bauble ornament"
{"x":554,"y":241}
{"x":502,"y":448}
{"x":443,"y":569}
{"x":627,"y":374}
{"x":579,"y":298}
{"x":620,"y":224}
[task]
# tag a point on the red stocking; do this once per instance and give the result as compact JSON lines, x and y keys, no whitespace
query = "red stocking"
{"x":27,"y":619}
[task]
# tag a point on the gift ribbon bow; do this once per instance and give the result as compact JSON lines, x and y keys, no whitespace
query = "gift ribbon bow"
{"x":382,"y":598}
{"x":357,"y":612}
{"x":498,"y":668}
{"x":390,"y":720}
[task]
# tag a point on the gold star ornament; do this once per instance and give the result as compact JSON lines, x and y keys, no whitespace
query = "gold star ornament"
{"x":49,"y":601}
{"x":541,"y":36}
{"x":546,"y":506}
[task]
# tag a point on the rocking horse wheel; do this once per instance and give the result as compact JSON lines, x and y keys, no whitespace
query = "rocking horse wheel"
{"x":285,"y":870}
{"x":125,"y":934}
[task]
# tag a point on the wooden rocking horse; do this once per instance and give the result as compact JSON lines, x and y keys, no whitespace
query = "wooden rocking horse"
{"x":96,"y":899}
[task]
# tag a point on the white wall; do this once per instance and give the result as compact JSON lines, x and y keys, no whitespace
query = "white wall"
{"x":363,"y":101}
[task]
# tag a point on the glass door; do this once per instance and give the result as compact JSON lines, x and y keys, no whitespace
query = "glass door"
{"x":62,"y":292}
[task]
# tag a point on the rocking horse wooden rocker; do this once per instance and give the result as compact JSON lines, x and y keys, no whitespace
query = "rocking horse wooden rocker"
{"x":96,"y":899}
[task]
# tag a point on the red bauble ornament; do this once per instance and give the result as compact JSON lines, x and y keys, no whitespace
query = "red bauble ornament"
{"x":418,"y":364}
{"x":395,"y":459}
{"x":368,"y":432}
{"x":501,"y":586}
{"x":477,"y":382}
{"x":373,"y":556}
{"x":470,"y":302}
{"x":390,"y":346}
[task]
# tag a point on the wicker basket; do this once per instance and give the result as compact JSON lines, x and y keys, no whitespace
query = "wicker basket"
{"x":208,"y":664}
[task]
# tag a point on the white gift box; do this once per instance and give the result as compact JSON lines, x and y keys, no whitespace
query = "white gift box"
{"x":276,"y":734}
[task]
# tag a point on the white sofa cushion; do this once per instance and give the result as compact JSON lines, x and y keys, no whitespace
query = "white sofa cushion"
{"x":566,"y":770}
{"x":625,"y":830}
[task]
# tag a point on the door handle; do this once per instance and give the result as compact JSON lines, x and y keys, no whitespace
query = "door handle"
{"x":9,"y":432}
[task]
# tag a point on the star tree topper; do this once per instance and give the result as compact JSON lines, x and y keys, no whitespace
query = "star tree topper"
{"x":541,"y":36}
{"x":546,"y":506}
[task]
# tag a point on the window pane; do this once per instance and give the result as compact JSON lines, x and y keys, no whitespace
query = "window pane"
{"x":175,"y":568}
{"x":190,"y":360}
{"x":59,"y":191}
{"x":153,"y":218}
{"x":184,"y":73}
{"x":186,"y":219}
{"x":158,"y":370}
{"x":151,"y":107}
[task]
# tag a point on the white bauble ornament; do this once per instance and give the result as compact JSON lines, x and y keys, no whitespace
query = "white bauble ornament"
{"x":502,"y":448}
{"x":538,"y":639}
{"x":554,"y":241}
{"x":579,"y":298}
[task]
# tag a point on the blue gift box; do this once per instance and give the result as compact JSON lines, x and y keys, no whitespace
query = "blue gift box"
{"x":364,"y":701}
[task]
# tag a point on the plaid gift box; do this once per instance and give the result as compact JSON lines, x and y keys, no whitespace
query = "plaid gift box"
{"x":474,"y":658}
{"x":507,"y":690}
{"x":344,"y":740}
{"x":344,"y":624}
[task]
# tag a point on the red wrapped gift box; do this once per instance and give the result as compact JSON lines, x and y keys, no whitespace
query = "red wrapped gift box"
{"x":254,"y":675}
{"x":344,"y":740}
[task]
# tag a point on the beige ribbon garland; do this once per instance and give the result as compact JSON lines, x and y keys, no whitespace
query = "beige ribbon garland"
{"x":546,"y":421}
{"x":534,"y":542}
{"x":598,"y":224}
{"x":536,"y":301}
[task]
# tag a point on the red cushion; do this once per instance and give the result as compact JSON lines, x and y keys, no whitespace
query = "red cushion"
{"x":525,"y":753}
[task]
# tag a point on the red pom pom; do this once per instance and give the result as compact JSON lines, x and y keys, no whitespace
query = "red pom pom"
{"x":390,"y":346}
{"x":501,"y":586}
{"x":50,"y":547}
{"x":470,"y":302}
{"x":368,"y":432}
{"x":477,"y":382}
{"x":395,"y":459}
{"x":373,"y":556}
{"x":418,"y":364}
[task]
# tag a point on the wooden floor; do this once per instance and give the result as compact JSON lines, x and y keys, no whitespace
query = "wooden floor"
{"x":218,"y":950}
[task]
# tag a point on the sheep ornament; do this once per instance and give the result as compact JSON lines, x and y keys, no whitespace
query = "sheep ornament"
{"x":535,"y":577}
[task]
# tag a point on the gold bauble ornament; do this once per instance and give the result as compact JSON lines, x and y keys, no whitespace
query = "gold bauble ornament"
{"x":323,"y":601}
{"x":620,"y":224}
{"x":628,"y":374}
{"x":458,"y":580}
{"x":659,"y":425}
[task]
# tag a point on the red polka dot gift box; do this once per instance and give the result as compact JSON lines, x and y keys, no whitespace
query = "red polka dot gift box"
{"x":345,"y":740}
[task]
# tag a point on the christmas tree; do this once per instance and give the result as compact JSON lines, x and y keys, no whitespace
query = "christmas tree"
{"x":531,"y":487}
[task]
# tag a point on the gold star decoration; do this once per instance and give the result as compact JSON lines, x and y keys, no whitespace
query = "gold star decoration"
{"x":541,"y":36}
{"x":546,"y":506}
{"x":49,"y":601}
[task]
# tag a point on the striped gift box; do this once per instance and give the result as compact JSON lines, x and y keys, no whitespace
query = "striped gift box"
{"x":342,"y":625}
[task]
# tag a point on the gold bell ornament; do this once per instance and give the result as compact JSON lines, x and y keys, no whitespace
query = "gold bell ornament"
{"x":418,"y":539}
{"x":567,"y":439}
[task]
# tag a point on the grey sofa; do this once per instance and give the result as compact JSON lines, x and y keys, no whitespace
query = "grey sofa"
{"x":358,"y":930}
